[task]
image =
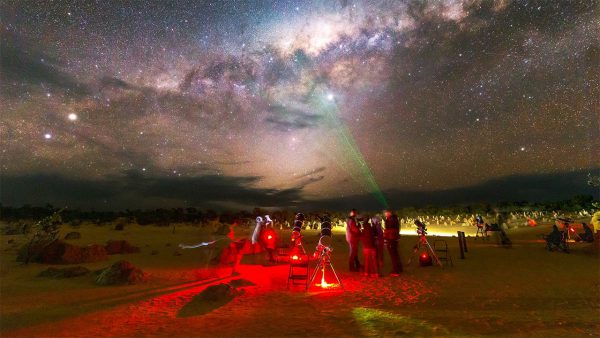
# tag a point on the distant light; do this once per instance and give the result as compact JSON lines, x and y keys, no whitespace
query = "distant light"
{"x":522,"y":148}
{"x":47,"y":136}
{"x":73,"y":117}
{"x":330,"y":97}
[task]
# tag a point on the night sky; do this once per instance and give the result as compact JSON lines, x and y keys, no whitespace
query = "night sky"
{"x":304,"y":104}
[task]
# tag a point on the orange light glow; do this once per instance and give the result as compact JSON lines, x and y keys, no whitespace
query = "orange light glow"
{"x":269,"y":237}
{"x":324,"y":284}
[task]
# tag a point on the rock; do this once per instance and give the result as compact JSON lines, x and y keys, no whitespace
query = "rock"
{"x":69,"y":272}
{"x":120,"y":247}
{"x":218,"y":292}
{"x":122,"y":272}
{"x":154,"y":252}
{"x":11,"y":241}
{"x":236,"y":283}
{"x":60,"y":252}
{"x":212,"y":298}
{"x":31,"y":252}
{"x":73,"y":235}
{"x":94,"y":253}
{"x":120,"y":227}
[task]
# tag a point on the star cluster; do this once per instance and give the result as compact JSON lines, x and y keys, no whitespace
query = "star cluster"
{"x":263,"y":103}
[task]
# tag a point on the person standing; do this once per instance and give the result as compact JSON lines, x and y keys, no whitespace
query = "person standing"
{"x":369,"y":252}
{"x":268,"y":239}
{"x":378,"y":234}
{"x":391,"y":234}
{"x":353,"y":237}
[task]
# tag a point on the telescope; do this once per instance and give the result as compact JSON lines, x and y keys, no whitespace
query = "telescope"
{"x":421,"y":228}
{"x":296,"y":239}
{"x":325,"y":226}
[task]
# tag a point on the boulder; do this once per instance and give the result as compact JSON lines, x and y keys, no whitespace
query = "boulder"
{"x":59,"y":252}
{"x":120,"y":227}
{"x":218,"y":292}
{"x":93,"y":253}
{"x":120,"y":247}
{"x":122,"y":272}
{"x":73,"y":235}
{"x":212,"y":298}
{"x":70,"y":272}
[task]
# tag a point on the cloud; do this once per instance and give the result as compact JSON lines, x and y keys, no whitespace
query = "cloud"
{"x":285,"y":118}
{"x":135,"y":190}
{"x":19,"y":62}
{"x":531,"y":188}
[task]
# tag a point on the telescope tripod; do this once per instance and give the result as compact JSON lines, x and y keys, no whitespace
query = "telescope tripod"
{"x":324,"y":263}
{"x":423,"y":242}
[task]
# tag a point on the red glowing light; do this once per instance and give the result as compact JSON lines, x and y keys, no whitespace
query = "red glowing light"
{"x":324,"y":284}
{"x":295,"y":257}
{"x":269,"y":237}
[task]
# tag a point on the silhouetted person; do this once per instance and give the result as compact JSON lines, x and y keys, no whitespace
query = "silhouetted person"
{"x":391,"y":234}
{"x":376,"y":224}
{"x":367,"y":239}
{"x":353,"y":237}
{"x":268,"y":239}
{"x":554,"y":238}
{"x":587,"y":235}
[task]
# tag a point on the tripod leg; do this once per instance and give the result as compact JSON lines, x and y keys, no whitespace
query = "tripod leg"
{"x":417,"y":247}
{"x":336,"y":276}
{"x":437,"y":260}
{"x":317,"y":268}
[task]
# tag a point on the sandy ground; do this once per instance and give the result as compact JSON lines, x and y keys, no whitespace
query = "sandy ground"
{"x":523,"y":291}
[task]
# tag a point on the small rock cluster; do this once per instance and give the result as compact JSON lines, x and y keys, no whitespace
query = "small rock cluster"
{"x":122,"y":272}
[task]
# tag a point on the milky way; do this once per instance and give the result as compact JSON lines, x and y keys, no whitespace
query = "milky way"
{"x":114,"y":104}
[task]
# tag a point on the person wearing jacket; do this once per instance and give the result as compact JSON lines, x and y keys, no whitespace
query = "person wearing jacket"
{"x":353,"y":238}
{"x":391,"y":235}
{"x":379,"y":243}
{"x":268,"y":238}
{"x":367,"y":239}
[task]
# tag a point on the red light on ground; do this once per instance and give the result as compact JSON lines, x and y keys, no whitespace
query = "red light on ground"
{"x":324,"y":284}
{"x":425,"y":259}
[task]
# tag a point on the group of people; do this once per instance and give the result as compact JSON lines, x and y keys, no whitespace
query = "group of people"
{"x":373,"y":233}
{"x":558,"y":239}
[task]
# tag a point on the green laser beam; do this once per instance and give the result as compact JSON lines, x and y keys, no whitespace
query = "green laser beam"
{"x":327,"y":104}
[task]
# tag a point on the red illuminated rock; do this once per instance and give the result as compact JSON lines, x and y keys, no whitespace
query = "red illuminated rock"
{"x":120,"y":247}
